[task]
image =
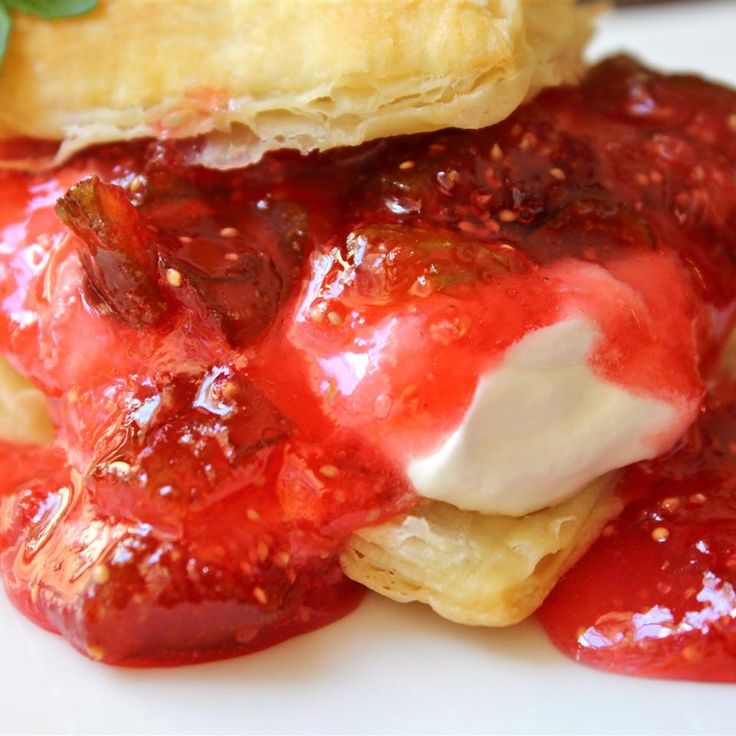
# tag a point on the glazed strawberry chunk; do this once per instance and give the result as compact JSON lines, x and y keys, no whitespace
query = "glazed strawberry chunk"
{"x":183,"y":516}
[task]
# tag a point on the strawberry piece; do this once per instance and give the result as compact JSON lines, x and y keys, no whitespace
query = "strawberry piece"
{"x":178,"y":444}
{"x":130,"y":593}
{"x":118,"y":254}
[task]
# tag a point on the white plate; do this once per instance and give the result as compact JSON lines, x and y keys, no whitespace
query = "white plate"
{"x":386,"y":668}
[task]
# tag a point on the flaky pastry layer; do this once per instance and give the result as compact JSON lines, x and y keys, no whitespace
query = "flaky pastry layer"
{"x":256,"y":75}
{"x":23,"y":409}
{"x":483,"y":570}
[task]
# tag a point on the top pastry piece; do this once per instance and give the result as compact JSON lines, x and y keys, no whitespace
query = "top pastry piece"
{"x":256,"y":75}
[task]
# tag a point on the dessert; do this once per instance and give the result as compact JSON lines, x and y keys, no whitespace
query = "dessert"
{"x":422,"y":361}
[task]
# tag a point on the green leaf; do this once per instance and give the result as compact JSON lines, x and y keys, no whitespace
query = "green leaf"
{"x":50,"y":9}
{"x":4,"y":29}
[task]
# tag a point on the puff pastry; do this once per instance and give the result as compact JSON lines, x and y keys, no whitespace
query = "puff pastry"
{"x":23,"y":410}
{"x":483,"y":570}
{"x":355,"y":70}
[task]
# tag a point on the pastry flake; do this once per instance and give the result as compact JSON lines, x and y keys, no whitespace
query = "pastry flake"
{"x":354,"y":71}
{"x":471,"y":568}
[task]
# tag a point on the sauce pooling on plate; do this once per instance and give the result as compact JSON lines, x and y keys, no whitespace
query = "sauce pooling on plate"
{"x":241,"y":364}
{"x":655,"y":595}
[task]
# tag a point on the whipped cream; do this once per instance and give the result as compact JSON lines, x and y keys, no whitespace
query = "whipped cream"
{"x":542,"y":425}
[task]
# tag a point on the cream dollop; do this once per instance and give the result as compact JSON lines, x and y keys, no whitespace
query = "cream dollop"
{"x":542,"y":425}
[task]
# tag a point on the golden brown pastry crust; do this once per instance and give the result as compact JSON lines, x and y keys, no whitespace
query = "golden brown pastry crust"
{"x":483,"y":570}
{"x":305,"y":74}
{"x":23,"y":409}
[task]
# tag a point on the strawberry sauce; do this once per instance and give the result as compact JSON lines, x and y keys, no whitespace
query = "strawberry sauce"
{"x":240,"y":365}
{"x":654,"y":596}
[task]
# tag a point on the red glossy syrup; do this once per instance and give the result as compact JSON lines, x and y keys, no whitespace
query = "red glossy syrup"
{"x":655,"y":595}
{"x":241,"y":364}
